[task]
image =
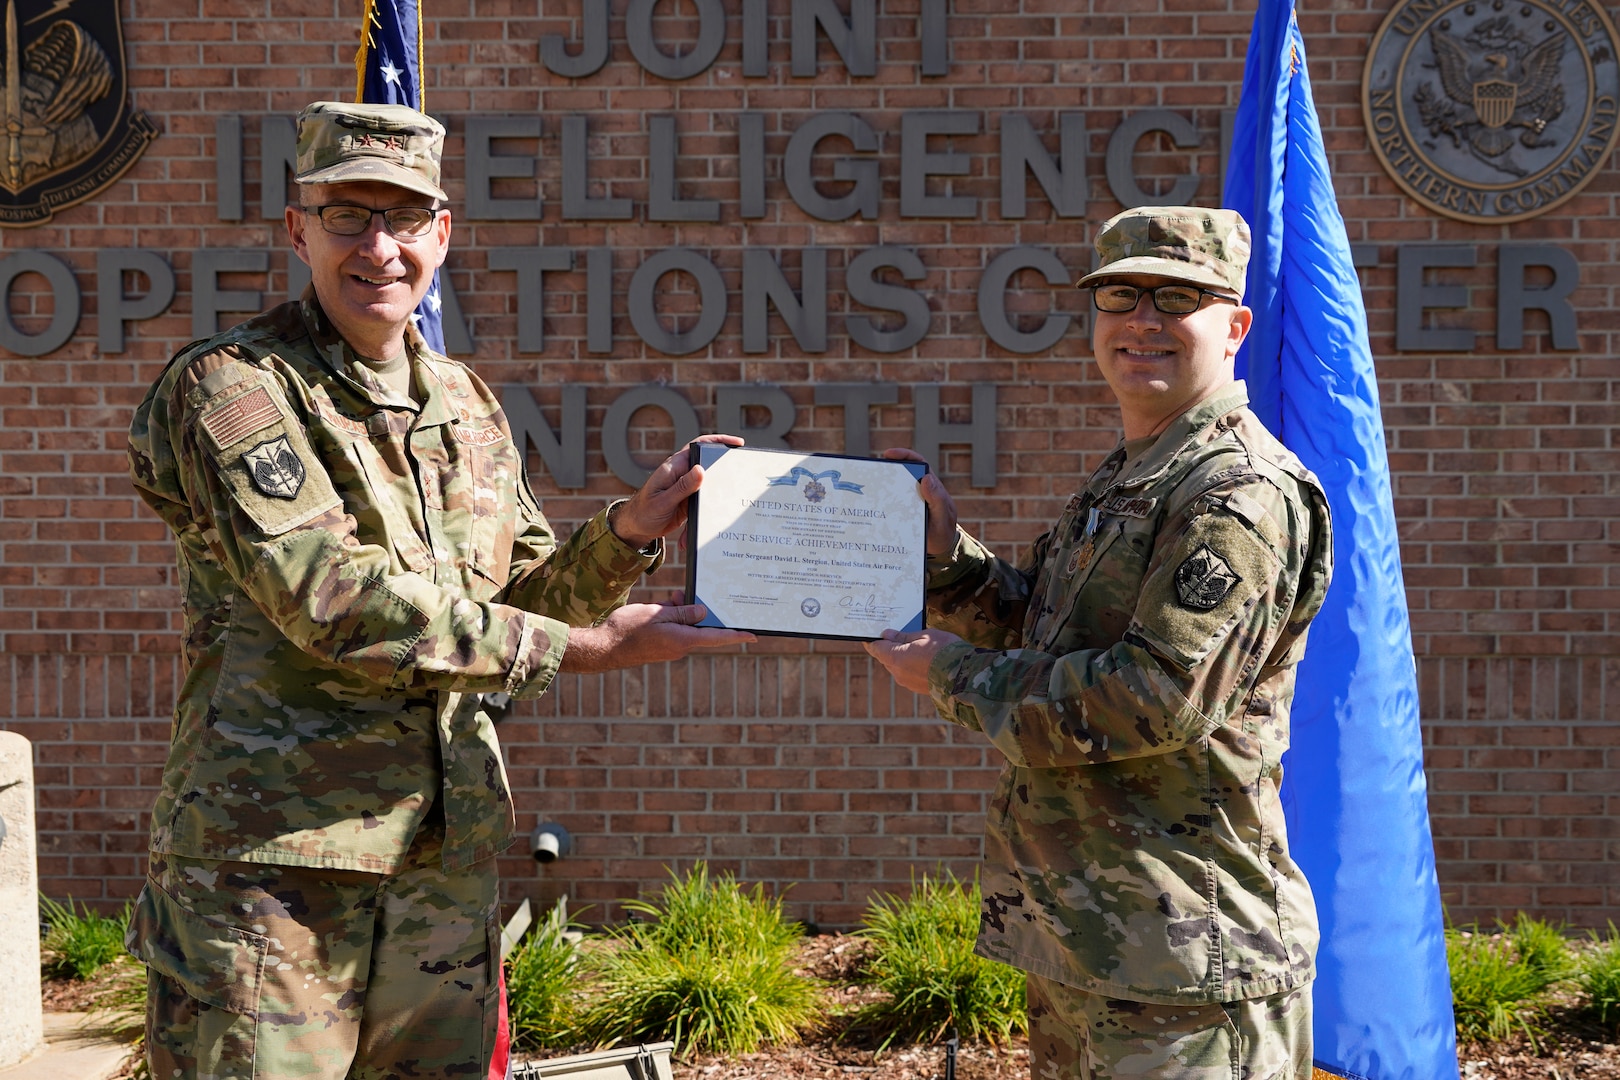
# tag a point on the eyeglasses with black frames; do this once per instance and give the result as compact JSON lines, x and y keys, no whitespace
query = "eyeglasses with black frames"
{"x":1170,"y":299}
{"x":402,"y":222}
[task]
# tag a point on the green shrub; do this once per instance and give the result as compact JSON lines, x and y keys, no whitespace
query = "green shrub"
{"x":695,"y":913}
{"x":1599,"y":978}
{"x":924,"y":960}
{"x":728,"y":1001}
{"x":1542,"y":947}
{"x":543,"y":983}
{"x":1497,"y":980}
{"x":710,"y":968}
{"x":79,"y":945}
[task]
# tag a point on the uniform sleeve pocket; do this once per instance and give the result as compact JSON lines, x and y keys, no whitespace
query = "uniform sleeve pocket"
{"x":1205,"y":588}
{"x":264,"y":460}
{"x":215,"y":963}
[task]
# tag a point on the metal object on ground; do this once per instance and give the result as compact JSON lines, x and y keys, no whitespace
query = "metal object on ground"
{"x":644,"y":1061}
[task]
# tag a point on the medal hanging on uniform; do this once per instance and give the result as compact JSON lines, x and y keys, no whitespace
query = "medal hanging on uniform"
{"x":1088,"y":544}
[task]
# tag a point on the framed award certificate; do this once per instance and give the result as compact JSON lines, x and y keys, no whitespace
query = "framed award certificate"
{"x":807,"y":545}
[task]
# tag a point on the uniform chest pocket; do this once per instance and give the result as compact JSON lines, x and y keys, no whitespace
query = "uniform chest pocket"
{"x":480,"y":500}
{"x":373,"y":491}
{"x":1094,"y":584}
{"x":274,"y":474}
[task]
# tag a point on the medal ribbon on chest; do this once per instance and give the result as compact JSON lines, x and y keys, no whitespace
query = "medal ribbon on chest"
{"x":1088,"y":544}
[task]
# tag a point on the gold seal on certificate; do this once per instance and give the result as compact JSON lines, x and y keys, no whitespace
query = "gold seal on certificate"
{"x":810,"y":545}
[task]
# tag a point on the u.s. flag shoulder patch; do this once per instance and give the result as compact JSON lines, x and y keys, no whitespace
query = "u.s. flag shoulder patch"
{"x":240,"y":417}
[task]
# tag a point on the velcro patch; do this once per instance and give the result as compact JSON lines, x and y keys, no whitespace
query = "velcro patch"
{"x":240,"y":417}
{"x":478,"y":436}
{"x":1246,"y":508}
{"x":1210,"y":582}
{"x":274,"y":468}
{"x":1204,"y":578}
{"x":1125,"y":506}
{"x":330,"y":414}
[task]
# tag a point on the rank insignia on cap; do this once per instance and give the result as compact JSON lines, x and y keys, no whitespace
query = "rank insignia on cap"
{"x":275,"y":469}
{"x":1203,"y":579}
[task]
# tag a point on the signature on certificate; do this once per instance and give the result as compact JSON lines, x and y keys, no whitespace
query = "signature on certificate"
{"x":866,"y":607}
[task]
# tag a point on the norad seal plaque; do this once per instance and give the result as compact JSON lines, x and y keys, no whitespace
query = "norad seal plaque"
{"x":67,"y":129}
{"x":1492,"y":111}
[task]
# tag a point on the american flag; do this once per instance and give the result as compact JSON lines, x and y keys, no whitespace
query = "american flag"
{"x":388,"y":71}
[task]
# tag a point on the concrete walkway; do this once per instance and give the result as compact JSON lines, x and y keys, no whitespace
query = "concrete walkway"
{"x":72,"y":1052}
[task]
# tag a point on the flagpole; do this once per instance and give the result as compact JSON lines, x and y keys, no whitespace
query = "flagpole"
{"x":389,"y":66}
{"x":362,"y":55}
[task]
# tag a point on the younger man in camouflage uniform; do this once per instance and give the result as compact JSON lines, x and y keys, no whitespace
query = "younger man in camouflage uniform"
{"x":1135,"y":668}
{"x":361,"y":561}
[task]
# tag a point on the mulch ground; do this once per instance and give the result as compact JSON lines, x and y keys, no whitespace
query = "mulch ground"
{"x":837,"y":1051}
{"x":1571,"y":1049}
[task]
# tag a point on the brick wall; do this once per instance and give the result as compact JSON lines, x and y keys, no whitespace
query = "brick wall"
{"x":796,"y":763}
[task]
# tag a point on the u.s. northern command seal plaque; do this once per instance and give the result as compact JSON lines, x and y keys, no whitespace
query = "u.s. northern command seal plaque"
{"x":1492,"y":111}
{"x":67,"y":128}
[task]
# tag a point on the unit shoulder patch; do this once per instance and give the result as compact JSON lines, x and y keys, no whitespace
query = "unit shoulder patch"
{"x":274,"y":468}
{"x":1204,"y":578}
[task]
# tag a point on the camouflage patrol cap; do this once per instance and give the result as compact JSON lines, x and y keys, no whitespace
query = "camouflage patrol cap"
{"x":391,"y":144}
{"x":1186,"y":243}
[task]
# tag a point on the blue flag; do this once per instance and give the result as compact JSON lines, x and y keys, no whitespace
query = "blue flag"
{"x":388,"y":70}
{"x":1354,"y":792}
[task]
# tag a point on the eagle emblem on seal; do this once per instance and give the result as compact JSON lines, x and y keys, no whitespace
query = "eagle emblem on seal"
{"x":1493,"y":111}
{"x":1497,"y":87}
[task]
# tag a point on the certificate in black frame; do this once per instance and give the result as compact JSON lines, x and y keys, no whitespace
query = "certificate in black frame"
{"x":825,"y":498}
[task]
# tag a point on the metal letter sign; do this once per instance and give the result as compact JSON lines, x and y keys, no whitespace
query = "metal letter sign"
{"x":69,"y":129}
{"x":1492,"y":111}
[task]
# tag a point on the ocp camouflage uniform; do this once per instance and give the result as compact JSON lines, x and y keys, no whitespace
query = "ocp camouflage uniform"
{"x":356,"y":571}
{"x":1136,"y":669}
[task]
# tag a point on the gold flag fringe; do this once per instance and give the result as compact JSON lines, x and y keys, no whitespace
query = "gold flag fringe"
{"x":368,"y":19}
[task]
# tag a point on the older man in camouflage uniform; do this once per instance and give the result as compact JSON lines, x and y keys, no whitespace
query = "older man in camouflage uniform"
{"x":1135,"y":668}
{"x":361,"y":562}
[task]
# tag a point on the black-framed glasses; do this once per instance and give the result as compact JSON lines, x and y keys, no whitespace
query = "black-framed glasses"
{"x":1170,"y":299}
{"x":403,"y":222}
